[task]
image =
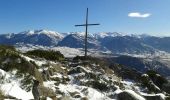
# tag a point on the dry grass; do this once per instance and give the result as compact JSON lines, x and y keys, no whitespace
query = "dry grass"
{"x":1,"y":95}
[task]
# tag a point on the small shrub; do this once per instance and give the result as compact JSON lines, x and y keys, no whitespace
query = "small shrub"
{"x":145,"y":79}
{"x":1,"y":95}
{"x":167,"y":98}
{"x":90,"y":59}
{"x":34,"y":64}
{"x":156,"y":78}
{"x":151,"y":73}
{"x":7,"y":47}
{"x":49,"y":55}
{"x":84,"y":98}
{"x":99,"y":85}
{"x":26,"y":83}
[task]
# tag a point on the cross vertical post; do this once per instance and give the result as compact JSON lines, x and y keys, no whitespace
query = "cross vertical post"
{"x":86,"y":34}
{"x":86,"y":25}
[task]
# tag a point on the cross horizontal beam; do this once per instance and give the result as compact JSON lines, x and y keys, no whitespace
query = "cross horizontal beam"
{"x":86,"y":25}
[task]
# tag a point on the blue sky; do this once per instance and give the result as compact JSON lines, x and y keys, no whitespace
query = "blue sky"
{"x":128,"y":16}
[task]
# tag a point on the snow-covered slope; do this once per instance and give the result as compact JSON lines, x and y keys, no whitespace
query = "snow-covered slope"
{"x":10,"y":85}
{"x":66,"y":51}
{"x":69,"y":79}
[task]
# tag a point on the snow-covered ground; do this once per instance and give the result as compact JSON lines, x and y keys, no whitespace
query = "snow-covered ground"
{"x":69,"y":52}
{"x":90,"y":93}
{"x":66,"y":51}
{"x":72,"y":52}
{"x":10,"y":86}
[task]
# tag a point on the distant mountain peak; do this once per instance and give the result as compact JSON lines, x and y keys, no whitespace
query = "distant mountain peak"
{"x":119,"y":34}
{"x":42,"y":31}
{"x":111,"y":34}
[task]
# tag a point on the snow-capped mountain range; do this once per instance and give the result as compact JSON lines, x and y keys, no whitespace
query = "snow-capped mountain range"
{"x":111,"y":41}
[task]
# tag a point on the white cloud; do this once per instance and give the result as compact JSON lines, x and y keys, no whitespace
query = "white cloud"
{"x":139,"y":15}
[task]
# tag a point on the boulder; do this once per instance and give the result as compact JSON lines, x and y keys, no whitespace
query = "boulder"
{"x":129,"y":95}
{"x":153,"y":97}
{"x":166,"y":87}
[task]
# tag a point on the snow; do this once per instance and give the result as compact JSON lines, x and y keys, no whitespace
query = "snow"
{"x":39,"y":63}
{"x":10,"y":86}
{"x":28,"y":47}
{"x":99,"y":34}
{"x":49,"y":33}
{"x":159,"y":94}
{"x":111,"y":34}
{"x":4,"y":76}
{"x":128,"y":82}
{"x":81,"y":34}
{"x":90,"y":93}
{"x":48,"y":98}
{"x":69,"y":52}
{"x":49,"y":84}
{"x":117,"y":91}
{"x":73,"y":52}
{"x":66,"y":51}
{"x":85,"y":69}
{"x":9,"y":35}
{"x":95,"y":95}
{"x":145,"y":75}
{"x":13,"y":86}
{"x":2,"y":72}
{"x":57,"y":75}
{"x":14,"y":90}
{"x":29,"y":32}
{"x":137,"y":96}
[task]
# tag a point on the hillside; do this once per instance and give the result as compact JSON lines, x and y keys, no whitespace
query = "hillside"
{"x":143,"y":64}
{"x":74,"y":78}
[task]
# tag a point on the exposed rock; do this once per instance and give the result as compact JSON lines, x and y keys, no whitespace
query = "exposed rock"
{"x":46,"y":92}
{"x":129,"y":95}
{"x":76,"y":70}
{"x":166,"y":87}
{"x":155,"y":97}
{"x":84,"y":98}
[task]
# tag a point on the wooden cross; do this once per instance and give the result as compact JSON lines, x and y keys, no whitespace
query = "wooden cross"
{"x":86,"y":25}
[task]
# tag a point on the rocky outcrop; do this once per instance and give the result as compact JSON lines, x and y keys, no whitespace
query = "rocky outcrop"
{"x":166,"y":87}
{"x":129,"y":95}
{"x":153,"y":97}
